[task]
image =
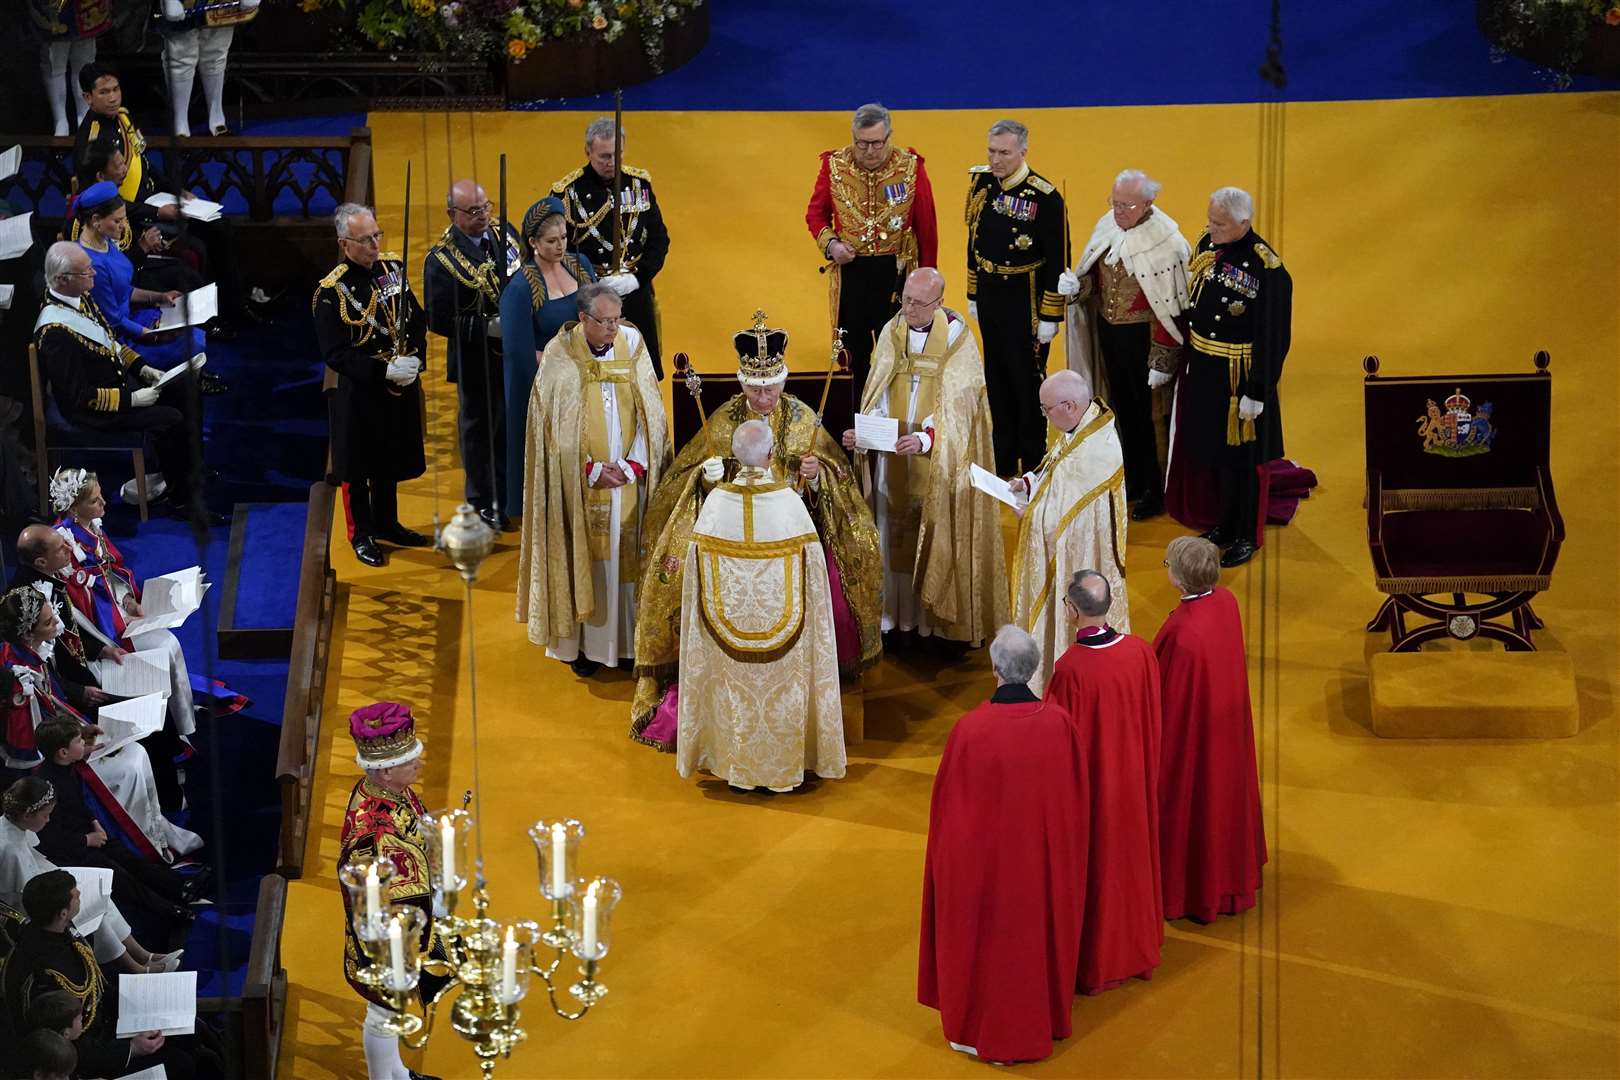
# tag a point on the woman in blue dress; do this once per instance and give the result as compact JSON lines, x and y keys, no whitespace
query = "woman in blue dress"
{"x":534,"y":307}
{"x":104,"y":218}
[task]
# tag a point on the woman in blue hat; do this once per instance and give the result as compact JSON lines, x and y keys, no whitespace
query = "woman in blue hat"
{"x":534,"y":307}
{"x":131,"y":312}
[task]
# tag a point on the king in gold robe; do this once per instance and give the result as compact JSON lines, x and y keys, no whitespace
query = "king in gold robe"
{"x":944,"y":570}
{"x":1075,"y":519}
{"x":759,"y":697}
{"x":591,"y":409}
{"x":842,"y":519}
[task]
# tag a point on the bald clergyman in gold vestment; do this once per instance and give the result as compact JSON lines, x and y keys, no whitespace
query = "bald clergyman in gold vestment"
{"x":944,"y":570}
{"x":1074,"y":520}
{"x":597,"y":445}
{"x":806,"y":457}
{"x":759,"y":700}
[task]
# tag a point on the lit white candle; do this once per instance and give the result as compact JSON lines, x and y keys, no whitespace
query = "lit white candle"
{"x":396,"y":954}
{"x":509,"y":968}
{"x":590,"y":922}
{"x":559,"y":859}
{"x":447,"y":845}
{"x":373,"y":892}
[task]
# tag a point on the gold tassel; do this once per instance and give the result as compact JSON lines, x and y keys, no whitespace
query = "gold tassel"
{"x":1232,"y":438}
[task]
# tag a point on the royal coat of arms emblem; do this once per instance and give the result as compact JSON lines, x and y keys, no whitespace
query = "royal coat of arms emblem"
{"x":1459,"y":430}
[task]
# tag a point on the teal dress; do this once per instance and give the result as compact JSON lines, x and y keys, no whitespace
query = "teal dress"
{"x":529,"y":320}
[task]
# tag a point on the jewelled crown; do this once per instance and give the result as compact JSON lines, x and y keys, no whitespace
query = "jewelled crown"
{"x":761,"y":353}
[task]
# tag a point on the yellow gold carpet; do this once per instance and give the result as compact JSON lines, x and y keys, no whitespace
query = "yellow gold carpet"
{"x":1432,"y":909}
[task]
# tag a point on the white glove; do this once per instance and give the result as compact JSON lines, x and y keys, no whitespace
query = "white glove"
{"x":623,"y":284}
{"x":1157,"y":378}
{"x":198,"y":361}
{"x":714,"y":470}
{"x":973,"y":309}
{"x":1048,"y":331}
{"x":1068,"y":283}
{"x":150,"y":374}
{"x":492,"y":327}
{"x":402,"y":370}
{"x":146,"y":395}
{"x":1248,"y":408}
{"x":174,"y":10}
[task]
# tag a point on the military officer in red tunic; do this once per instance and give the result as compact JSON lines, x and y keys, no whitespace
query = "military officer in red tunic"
{"x":872,"y":214}
{"x":385,"y":818}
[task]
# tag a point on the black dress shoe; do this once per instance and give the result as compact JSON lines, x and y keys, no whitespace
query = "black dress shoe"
{"x":400,"y":536}
{"x":1239,"y":553}
{"x":584,"y":668}
{"x":1147,"y":508}
{"x":367,"y":551}
{"x":414,"y":1075}
{"x":495,"y":520}
{"x":1214,"y":536}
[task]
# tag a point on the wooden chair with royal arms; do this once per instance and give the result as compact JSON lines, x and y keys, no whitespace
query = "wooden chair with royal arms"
{"x":1462,"y":523}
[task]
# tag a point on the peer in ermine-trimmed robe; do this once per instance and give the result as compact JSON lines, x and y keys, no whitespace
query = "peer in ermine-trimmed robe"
{"x":597,"y":444}
{"x":1212,"y":834}
{"x":1004,"y":883}
{"x":1108,"y":683}
{"x":943,"y":568}
{"x":1075,"y":518}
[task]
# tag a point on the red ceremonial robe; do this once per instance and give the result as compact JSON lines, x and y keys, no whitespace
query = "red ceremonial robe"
{"x":1005,"y":878}
{"x":1109,"y":686}
{"x":1212,"y":837}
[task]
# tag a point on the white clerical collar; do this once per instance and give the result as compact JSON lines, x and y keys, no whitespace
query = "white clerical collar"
{"x":70,"y":301}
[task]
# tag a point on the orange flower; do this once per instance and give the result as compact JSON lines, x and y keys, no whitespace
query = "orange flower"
{"x":516,"y":48}
{"x":598,"y":23}
{"x":1612,"y":16}
{"x":576,"y":4}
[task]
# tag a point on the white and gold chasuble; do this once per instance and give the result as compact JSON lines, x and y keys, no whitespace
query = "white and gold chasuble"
{"x":759,"y":695}
{"x":1075,"y":521}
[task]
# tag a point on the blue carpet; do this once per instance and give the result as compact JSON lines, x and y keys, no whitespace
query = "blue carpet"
{"x":270,"y":546}
{"x":786,"y":54}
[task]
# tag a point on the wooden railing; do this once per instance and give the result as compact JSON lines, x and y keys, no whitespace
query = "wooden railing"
{"x":306,"y":680}
{"x":253,"y":1019}
{"x":262,"y":171}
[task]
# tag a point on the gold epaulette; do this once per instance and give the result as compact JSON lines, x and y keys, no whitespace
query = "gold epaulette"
{"x":1271,"y":259}
{"x":389,"y":256}
{"x":978,"y":168}
{"x":331,"y":279}
{"x":562,"y":185}
{"x":1040,"y":184}
{"x":95,"y":130}
{"x":637,"y":172}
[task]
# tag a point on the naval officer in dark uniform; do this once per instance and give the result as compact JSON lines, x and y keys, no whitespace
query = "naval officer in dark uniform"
{"x":645,"y":240}
{"x":1016,"y":251}
{"x":372,"y":334}
{"x":463,"y":277}
{"x":1226,"y":403}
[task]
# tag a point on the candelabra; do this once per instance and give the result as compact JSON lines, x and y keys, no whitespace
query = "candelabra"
{"x":481,"y":968}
